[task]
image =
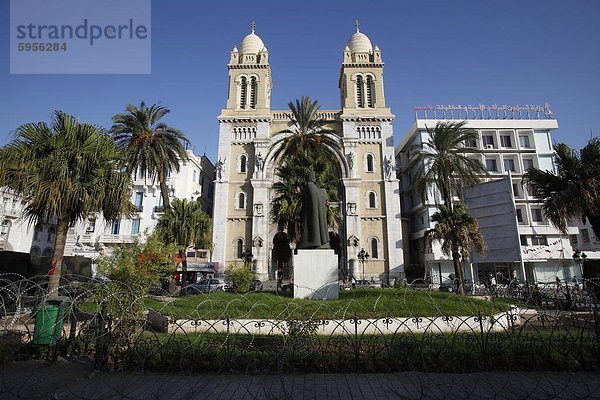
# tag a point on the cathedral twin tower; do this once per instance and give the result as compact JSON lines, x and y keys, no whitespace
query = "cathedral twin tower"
{"x":245,"y":174}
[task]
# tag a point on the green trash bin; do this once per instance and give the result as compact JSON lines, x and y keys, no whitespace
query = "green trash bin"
{"x":48,"y":322}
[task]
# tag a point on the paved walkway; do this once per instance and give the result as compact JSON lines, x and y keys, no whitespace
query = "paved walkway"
{"x":72,"y":380}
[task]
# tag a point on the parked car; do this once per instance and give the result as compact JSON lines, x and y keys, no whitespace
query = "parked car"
{"x":207,"y":286}
{"x":450,"y":285}
{"x":256,"y":286}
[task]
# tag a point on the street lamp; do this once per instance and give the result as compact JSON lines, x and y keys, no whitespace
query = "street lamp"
{"x":247,"y":256}
{"x":579,"y":259}
{"x":363,"y":257}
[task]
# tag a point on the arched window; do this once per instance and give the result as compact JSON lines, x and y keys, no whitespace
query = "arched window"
{"x":243,"y":92}
{"x":374,"y":248}
{"x":35,"y":251}
{"x":239,"y":248}
{"x":4,"y":229}
{"x":241,"y":203}
{"x":370,"y":92}
{"x":372,"y":200}
{"x":47,"y":252}
{"x":360,"y":99}
{"x":370,"y":163}
{"x":36,"y":233}
{"x":51,"y":233}
{"x":243,"y":163}
{"x":253,"y":94}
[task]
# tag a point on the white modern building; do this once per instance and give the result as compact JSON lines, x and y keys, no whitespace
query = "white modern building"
{"x":194,"y":181}
{"x":18,"y":234}
{"x":587,"y":246}
{"x":246,"y":171}
{"x":512,"y":139}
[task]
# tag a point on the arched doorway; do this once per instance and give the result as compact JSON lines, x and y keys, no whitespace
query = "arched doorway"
{"x":280,"y":255}
{"x":334,"y":171}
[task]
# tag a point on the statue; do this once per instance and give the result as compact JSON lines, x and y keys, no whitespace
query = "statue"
{"x":220,"y":168}
{"x":388,"y":167}
{"x":315,"y":232}
{"x":350,"y":158}
{"x":259,"y":162}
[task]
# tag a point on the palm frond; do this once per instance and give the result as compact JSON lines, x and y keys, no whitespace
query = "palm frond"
{"x":571,"y":191}
{"x":152,"y":148}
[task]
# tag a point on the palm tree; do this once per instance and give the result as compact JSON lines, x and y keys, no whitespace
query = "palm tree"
{"x":443,"y":163}
{"x":571,"y":192}
{"x":153,"y":148}
{"x":309,"y":133}
{"x":293,"y":176}
{"x":309,"y":144}
{"x":458,"y":232}
{"x":184,"y":224}
{"x":65,"y":171}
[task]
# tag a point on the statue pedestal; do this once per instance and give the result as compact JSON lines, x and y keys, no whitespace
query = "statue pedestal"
{"x":316,"y":274}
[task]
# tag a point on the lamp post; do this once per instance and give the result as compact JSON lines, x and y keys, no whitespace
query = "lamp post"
{"x":579,"y":259}
{"x":247,"y":256}
{"x":363,"y":257}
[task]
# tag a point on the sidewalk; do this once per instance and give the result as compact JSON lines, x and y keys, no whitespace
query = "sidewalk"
{"x":72,"y":380}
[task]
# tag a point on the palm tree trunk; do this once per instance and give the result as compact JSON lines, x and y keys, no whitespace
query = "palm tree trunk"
{"x":183,"y":255}
{"x":59,"y":249}
{"x":164,"y":190}
{"x":458,"y":271}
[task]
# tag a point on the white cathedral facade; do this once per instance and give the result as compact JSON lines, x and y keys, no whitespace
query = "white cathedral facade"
{"x":245,"y":170}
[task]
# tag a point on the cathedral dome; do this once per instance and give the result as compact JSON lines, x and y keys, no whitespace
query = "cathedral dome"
{"x":251,"y":44}
{"x":359,"y":43}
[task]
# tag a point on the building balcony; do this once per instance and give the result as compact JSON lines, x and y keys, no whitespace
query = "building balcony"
{"x":11,"y":212}
{"x":139,"y":208}
{"x":87,"y":238}
{"x":118,"y":238}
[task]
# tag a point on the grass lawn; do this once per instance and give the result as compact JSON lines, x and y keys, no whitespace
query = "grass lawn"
{"x":364,"y":303}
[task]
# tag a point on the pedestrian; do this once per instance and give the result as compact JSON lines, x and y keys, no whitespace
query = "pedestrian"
{"x":353,"y":283}
{"x":493,"y":285}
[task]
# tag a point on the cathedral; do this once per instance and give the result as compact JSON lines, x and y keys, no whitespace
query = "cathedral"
{"x":245,"y":170}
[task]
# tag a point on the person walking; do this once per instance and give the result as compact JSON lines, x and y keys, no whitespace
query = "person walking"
{"x":493,"y":285}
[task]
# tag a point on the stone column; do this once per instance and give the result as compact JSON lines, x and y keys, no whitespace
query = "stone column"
{"x":352,"y":220}
{"x":395,"y":254}
{"x":221,"y":204}
{"x":260,"y":227}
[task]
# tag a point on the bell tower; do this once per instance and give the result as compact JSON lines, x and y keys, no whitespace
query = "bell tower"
{"x":361,"y":75}
{"x":241,"y":192}
{"x":249,"y":76}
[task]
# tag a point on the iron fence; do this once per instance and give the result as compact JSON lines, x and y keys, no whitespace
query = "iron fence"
{"x":119,"y":331}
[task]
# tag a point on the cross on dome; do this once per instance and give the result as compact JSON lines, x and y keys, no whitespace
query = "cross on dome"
{"x":359,"y":42}
{"x":251,"y":44}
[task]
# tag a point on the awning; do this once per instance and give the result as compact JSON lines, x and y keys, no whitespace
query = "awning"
{"x":195,"y":267}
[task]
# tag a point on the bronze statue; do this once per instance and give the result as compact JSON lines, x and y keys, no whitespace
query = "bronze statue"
{"x":315,"y":232}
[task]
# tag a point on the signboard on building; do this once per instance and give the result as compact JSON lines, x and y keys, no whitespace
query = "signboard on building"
{"x":493,"y":205}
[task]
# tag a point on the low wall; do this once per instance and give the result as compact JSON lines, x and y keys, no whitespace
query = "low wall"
{"x":383,"y":326}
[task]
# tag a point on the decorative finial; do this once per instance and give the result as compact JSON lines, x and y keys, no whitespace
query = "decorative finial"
{"x":357,"y":26}
{"x":253,"y":26}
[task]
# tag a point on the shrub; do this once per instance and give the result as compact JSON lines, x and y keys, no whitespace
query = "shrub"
{"x":139,"y":265}
{"x":133,"y":268}
{"x":240,"y":277}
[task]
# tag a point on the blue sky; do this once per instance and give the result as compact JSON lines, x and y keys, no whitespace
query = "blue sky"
{"x":436,"y":52}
